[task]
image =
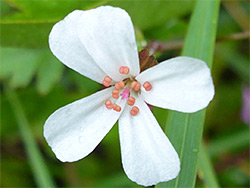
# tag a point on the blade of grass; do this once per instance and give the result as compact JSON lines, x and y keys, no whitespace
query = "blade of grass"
{"x":185,"y":130}
{"x":37,"y":163}
{"x":206,"y":168}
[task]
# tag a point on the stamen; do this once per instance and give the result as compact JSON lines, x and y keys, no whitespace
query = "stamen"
{"x":119,"y":85}
{"x":125,"y":93}
{"x":135,"y":85}
{"x":108,"y":104}
{"x":124,"y":70}
{"x":134,"y":111}
{"x":147,"y":86}
{"x":117,"y":108}
{"x":106,"y":82}
{"x":115,"y":94}
{"x":131,"y":101}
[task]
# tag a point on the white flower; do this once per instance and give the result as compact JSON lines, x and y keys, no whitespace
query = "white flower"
{"x":100,"y":44}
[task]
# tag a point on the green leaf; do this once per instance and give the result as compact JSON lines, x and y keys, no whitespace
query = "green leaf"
{"x":84,"y":84}
{"x":18,"y":65}
{"x":5,"y":9}
{"x":25,"y":35}
{"x":175,"y":29}
{"x":50,"y":72}
{"x":37,"y":163}
{"x":151,"y":13}
{"x":206,"y":168}
{"x":30,"y":26}
{"x":185,"y":130}
{"x":47,"y":11}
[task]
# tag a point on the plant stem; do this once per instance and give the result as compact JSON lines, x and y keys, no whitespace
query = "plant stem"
{"x":37,"y":163}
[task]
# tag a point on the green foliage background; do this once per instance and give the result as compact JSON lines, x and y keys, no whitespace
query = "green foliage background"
{"x":34,"y":84}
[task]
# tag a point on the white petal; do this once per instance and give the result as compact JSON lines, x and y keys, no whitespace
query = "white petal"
{"x":67,"y":47}
{"x":183,"y":84}
{"x":147,"y":155}
{"x":74,"y":131}
{"x":108,"y":35}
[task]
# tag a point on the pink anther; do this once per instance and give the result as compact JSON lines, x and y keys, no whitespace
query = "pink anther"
{"x":134,"y":111}
{"x":117,"y":108}
{"x":131,"y":101}
{"x":135,"y":85}
{"x":115,"y":94}
{"x":108,"y":104}
{"x":124,"y":70}
{"x":125,"y":93}
{"x":147,"y":86}
{"x":119,"y":85}
{"x":106,"y":82}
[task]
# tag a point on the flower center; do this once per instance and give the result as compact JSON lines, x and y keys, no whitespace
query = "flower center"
{"x":125,"y":93}
{"x":124,"y":90}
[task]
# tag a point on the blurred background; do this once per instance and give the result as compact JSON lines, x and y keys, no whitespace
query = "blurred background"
{"x":34,"y":84}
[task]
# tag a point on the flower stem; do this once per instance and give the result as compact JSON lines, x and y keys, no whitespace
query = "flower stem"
{"x":37,"y":163}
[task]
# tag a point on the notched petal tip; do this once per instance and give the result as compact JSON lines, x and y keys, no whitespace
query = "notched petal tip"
{"x":108,"y":35}
{"x":65,"y":44}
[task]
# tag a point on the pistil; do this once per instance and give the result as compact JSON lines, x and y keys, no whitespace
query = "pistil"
{"x":125,"y":87}
{"x":125,"y":93}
